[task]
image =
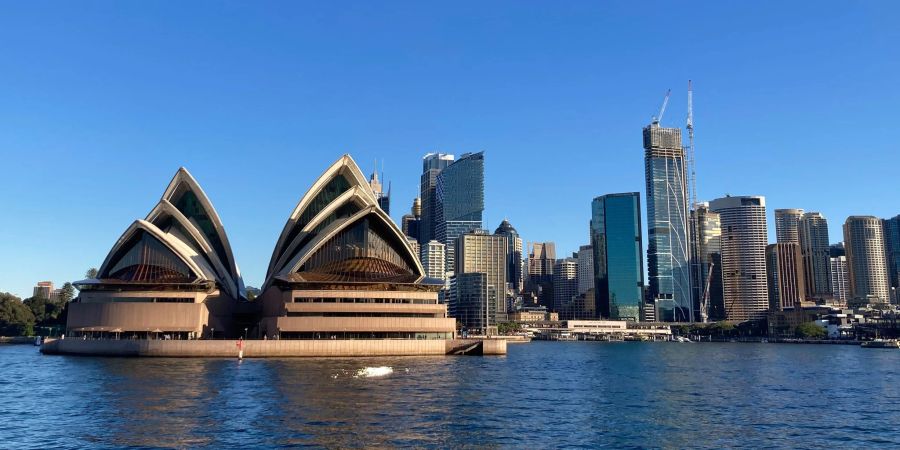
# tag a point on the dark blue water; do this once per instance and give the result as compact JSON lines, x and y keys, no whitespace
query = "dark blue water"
{"x":542,"y":394}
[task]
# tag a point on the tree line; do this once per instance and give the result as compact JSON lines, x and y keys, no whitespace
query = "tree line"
{"x":20,"y":317}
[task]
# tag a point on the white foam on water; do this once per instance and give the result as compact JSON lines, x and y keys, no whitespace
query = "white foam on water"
{"x":369,"y":372}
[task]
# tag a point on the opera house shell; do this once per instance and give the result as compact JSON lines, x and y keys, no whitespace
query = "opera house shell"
{"x":170,"y":275}
{"x":341,"y":269}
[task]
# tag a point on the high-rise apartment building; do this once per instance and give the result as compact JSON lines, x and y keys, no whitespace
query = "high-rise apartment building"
{"x":891,"y":231}
{"x":541,"y":258}
{"x":668,"y":247}
{"x":514,"y":263}
{"x":44,"y":289}
{"x":585,"y":257}
{"x":744,"y":239}
{"x":866,"y":263}
{"x":432,"y":165}
{"x":840,"y":279}
{"x":565,"y":282}
{"x":459,"y":201}
{"x":618,"y":255}
{"x":787,"y":225}
{"x":433,"y":260}
{"x":813,"y":235}
{"x":480,"y":252}
{"x":784,"y":270}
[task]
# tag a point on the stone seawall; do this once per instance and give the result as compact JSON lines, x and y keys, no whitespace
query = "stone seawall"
{"x":263,"y":348}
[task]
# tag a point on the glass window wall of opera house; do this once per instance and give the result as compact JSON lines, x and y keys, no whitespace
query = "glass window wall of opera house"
{"x":341,"y":269}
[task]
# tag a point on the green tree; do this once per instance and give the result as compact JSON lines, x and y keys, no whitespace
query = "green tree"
{"x":44,"y":310}
{"x":508,"y":327}
{"x":67,"y":292}
{"x":810,"y":330}
{"x":16,"y":319}
{"x":91,"y":273}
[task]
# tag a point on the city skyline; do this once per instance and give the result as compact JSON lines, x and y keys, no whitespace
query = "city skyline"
{"x":62,"y":126}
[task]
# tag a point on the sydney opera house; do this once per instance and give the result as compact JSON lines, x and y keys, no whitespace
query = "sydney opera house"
{"x":341,"y":269}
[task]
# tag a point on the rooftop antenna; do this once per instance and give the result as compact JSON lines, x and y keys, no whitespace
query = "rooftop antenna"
{"x":662,"y":110}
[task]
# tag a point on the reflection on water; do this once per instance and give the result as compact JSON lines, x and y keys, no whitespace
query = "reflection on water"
{"x":542,"y":394}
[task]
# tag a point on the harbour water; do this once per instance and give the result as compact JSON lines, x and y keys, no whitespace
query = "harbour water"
{"x":542,"y":394}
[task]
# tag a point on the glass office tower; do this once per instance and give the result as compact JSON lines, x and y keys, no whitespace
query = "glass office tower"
{"x":432,"y":165}
{"x":459,"y":196}
{"x":618,"y":255}
{"x":668,"y":249}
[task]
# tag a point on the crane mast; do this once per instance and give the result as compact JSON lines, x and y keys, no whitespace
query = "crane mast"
{"x":696,"y":267}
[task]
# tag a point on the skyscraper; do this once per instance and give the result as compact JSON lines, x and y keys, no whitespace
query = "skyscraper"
{"x":410,"y":222}
{"x":541,"y":259}
{"x":744,"y":239}
{"x":813,"y":235}
{"x":787,"y":225}
{"x":891,"y":231}
{"x":513,"y":255}
{"x":618,"y":255}
{"x":384,"y":198}
{"x":459,"y":201}
{"x":480,"y":252}
{"x":784,"y":271}
{"x":840,"y":279}
{"x":866,"y":263}
{"x":668,"y":248}
{"x":565,"y":282}
{"x":433,"y":260}
{"x":432,"y":165}
{"x":585,"y":258}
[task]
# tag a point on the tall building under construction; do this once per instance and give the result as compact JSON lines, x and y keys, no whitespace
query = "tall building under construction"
{"x":668,"y":247}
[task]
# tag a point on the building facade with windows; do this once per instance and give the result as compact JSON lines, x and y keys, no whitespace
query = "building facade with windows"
{"x":787,"y":225}
{"x":743,"y":241}
{"x":814,"y":246}
{"x":618,"y":256}
{"x":668,"y":246}
{"x":866,"y":262}
{"x":459,"y":201}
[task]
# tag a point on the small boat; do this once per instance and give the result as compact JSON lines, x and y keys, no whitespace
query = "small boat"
{"x":881,"y":343}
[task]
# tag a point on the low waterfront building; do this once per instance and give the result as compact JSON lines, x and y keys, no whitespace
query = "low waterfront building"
{"x":603,"y":330}
{"x":533,"y":315}
{"x":783,"y":323}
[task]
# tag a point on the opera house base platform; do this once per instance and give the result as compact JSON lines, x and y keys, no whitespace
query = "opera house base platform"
{"x":273,"y":348}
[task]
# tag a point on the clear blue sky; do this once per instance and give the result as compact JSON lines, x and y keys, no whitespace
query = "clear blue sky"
{"x":101,"y":102}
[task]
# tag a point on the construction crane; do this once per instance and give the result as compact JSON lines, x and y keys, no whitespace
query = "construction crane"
{"x":704,"y":307}
{"x":658,"y":119}
{"x":691,"y":160}
{"x":694,"y":217}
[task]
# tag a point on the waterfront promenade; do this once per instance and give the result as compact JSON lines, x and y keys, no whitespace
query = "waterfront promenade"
{"x":273,"y":348}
